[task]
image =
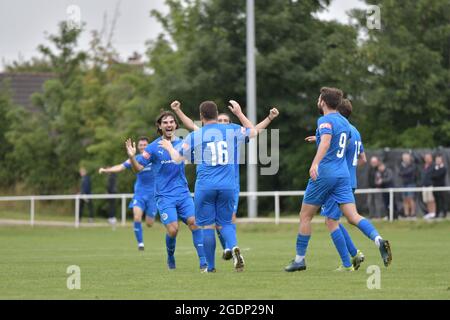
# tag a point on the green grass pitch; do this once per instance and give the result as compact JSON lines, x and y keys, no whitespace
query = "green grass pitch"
{"x":34,"y":261}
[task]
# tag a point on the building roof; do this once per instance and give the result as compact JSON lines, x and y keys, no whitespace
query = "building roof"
{"x":23,"y":84}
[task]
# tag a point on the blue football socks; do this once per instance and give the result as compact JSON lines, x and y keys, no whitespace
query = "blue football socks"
{"x":229,"y":234}
{"x":138,"y":231}
{"x":368,"y":229}
{"x":209,"y":245}
{"x":339,"y":243}
{"x":348,"y":241}
{"x":170,"y":245}
{"x":197,"y":238}
{"x":302,"y":244}
{"x":222,"y":239}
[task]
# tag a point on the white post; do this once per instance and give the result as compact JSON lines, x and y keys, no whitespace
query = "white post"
{"x":32,"y":211}
{"x":124,"y":210}
{"x":77,"y":211}
{"x":252,"y":169}
{"x":391,"y":204}
{"x":277,"y":208}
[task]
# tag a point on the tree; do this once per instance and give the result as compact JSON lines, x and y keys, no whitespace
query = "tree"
{"x":7,"y":167}
{"x":407,"y":89}
{"x":201,"y":56}
{"x":52,"y":133}
{"x":83,"y":116}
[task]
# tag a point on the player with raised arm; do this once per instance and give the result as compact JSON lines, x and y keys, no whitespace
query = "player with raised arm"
{"x":143,"y":202}
{"x":354,"y":155}
{"x":224,"y":118}
{"x":173,"y":199}
{"x":212,"y":148}
{"x":330,"y":178}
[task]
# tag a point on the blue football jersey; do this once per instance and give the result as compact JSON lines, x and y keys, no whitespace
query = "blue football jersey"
{"x":214,"y":149}
{"x":334,"y":162}
{"x":145,"y":182}
{"x":236,"y":164}
{"x":354,"y":149}
{"x":169,"y":176}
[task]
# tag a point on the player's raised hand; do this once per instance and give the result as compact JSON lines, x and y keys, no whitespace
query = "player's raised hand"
{"x":101,"y":170}
{"x":273,"y":113}
{"x":314,"y":171}
{"x":235,"y":107}
{"x":166,"y":144}
{"x":131,"y":147}
{"x":310,"y":139}
{"x":176,"y":105}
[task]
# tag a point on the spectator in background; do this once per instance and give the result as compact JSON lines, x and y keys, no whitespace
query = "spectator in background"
{"x":384,"y":178}
{"x":112,"y":189}
{"x":438,"y":178}
{"x":426,"y":181}
{"x":408,"y":175}
{"x":86,"y":189}
{"x":373,"y":198}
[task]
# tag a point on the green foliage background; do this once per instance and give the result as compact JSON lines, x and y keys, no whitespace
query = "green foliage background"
{"x":398,"y":79}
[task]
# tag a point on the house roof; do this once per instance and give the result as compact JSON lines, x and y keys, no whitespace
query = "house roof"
{"x":23,"y":84}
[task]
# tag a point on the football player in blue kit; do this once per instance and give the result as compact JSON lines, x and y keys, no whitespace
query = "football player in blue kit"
{"x":213,"y":149}
{"x":224,"y":118}
{"x":143,"y":201}
{"x":354,"y":156}
{"x":173,"y":199}
{"x":330,"y":178}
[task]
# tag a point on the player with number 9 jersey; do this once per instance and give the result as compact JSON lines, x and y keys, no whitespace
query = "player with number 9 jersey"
{"x":333,"y":162}
{"x":333,"y":176}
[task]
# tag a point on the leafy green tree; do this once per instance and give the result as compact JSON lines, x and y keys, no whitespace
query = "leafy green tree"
{"x":396,"y":77}
{"x":47,"y":143}
{"x":202,"y":56}
{"x":7,"y":176}
{"x":406,"y":93}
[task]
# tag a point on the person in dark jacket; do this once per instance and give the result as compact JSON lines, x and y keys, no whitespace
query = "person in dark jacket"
{"x":384,"y":178}
{"x":374,"y":199}
{"x":407,"y":174}
{"x":426,"y":181}
{"x":438,"y":177}
{"x":86,"y":189}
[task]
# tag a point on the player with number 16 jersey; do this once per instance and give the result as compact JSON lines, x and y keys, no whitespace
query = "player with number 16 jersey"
{"x":213,"y":149}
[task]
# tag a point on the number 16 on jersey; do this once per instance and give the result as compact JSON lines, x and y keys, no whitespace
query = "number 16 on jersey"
{"x":219,"y":152}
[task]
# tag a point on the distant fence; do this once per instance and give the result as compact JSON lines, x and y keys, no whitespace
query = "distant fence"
{"x":275,"y":194}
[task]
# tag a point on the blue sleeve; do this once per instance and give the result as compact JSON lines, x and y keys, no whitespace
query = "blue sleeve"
{"x":358,"y":137}
{"x":324,"y":126}
{"x":186,"y":147}
{"x":242,"y":134}
{"x":127,"y":164}
{"x":140,"y":159}
{"x":146,"y":157}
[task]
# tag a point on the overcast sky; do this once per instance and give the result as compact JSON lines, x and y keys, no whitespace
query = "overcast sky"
{"x":23,"y":23}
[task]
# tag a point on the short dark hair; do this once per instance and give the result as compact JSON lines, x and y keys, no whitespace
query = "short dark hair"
{"x":161,"y":117}
{"x":225,"y":114}
{"x":208,"y":110}
{"x":331,"y":96}
{"x":345,"y":108}
{"x":143,"y":138}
